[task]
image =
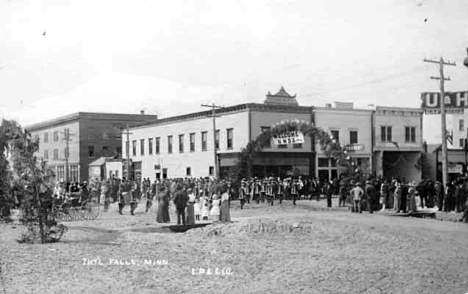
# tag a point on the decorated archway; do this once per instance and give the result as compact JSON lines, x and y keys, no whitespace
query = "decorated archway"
{"x":327,"y":144}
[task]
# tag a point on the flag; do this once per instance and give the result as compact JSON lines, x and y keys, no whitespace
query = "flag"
{"x":449,"y":136}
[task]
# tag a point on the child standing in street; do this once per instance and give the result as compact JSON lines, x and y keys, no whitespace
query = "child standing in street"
{"x":197,"y":209}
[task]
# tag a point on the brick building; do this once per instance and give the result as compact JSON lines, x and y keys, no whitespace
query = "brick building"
{"x":77,"y":139}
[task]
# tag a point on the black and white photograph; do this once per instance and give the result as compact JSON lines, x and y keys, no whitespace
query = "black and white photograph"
{"x":221,"y":146}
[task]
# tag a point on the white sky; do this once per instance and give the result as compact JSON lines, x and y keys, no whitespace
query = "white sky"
{"x":365,"y":51}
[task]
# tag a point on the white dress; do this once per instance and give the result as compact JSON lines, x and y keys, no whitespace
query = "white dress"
{"x":197,"y":208}
{"x":215,"y":209}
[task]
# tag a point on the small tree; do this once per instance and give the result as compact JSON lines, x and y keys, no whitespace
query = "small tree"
{"x":29,"y":177}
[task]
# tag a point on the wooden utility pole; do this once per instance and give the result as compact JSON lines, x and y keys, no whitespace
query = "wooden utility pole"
{"x":215,"y":153}
{"x":442,"y":80}
{"x":67,"y":135}
{"x":128,"y":151}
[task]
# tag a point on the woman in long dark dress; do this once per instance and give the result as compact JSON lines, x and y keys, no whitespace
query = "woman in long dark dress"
{"x":225,"y":215}
{"x":190,"y":208}
{"x":163,"y":206}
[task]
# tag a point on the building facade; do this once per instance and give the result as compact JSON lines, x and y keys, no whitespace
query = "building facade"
{"x":398,"y":142}
{"x":352,"y":128}
{"x":183,"y":146}
{"x":384,"y":141}
{"x":69,"y":143}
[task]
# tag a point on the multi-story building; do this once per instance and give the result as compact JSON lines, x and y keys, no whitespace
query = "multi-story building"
{"x":69,"y":143}
{"x":183,"y":146}
{"x":457,"y":129}
{"x":398,"y":142}
{"x":383,"y":141}
{"x":352,"y":128}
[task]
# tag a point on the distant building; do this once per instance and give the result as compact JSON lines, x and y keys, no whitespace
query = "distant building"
{"x":383,"y":141}
{"x":398,"y":142}
{"x":90,"y":136}
{"x":352,"y":128}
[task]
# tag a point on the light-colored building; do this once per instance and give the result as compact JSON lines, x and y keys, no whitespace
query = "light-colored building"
{"x":457,"y":128}
{"x":183,"y":146}
{"x":398,"y":142}
{"x":352,"y":128}
{"x":384,"y":141}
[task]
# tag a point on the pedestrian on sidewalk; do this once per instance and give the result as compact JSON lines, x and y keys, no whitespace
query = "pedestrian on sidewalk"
{"x":357,"y":193}
{"x":397,"y":197}
{"x":180,"y":202}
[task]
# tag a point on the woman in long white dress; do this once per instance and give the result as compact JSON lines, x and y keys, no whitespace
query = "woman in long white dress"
{"x":215,"y":209}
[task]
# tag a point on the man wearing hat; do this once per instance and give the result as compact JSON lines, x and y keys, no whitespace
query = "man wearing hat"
{"x":243,"y":193}
{"x":357,"y":193}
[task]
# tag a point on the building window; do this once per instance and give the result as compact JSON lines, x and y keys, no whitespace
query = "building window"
{"x":461,"y":124}
{"x":297,"y":146}
{"x":264,"y":129}
{"x":211,"y":170}
{"x":118,"y":150}
{"x":192,"y":142}
{"x":230,"y":138}
{"x":127,"y":148}
{"x":386,"y":134}
{"x":181,"y":143}
{"x":36,"y":139}
{"x":336,"y":135}
{"x":56,"y":136}
{"x":46,"y":137}
{"x":134,"y":143}
{"x":46,"y":154}
{"x":90,"y":151}
{"x":158,"y":145}
{"x":282,"y":146}
{"x":410,"y":134}
{"x":142,"y":147}
{"x":188,"y":172}
{"x":169,"y":144}
{"x":105,"y":150}
{"x":462,"y":143}
{"x":74,"y":173}
{"x":150,"y":146}
{"x":55,"y":154}
{"x":353,"y":137}
{"x":323,"y":162}
{"x":204,"y":141}
{"x":66,"y":134}
{"x":217,"y":139}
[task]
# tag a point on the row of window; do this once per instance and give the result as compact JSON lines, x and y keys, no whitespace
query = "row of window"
{"x":91,"y":153}
{"x":188,"y":172}
{"x":66,"y":153}
{"x":386,"y":134}
{"x":156,"y":143}
{"x":66,"y":136}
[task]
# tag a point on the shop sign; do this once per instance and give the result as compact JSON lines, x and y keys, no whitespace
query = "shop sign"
{"x":354,"y":147}
{"x":295,"y":137}
{"x":455,"y":169}
{"x":455,"y":102}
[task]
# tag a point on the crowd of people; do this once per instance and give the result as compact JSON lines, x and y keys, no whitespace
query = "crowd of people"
{"x":197,"y":199}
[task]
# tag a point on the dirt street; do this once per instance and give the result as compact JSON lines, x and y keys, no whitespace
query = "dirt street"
{"x":267,"y":249}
